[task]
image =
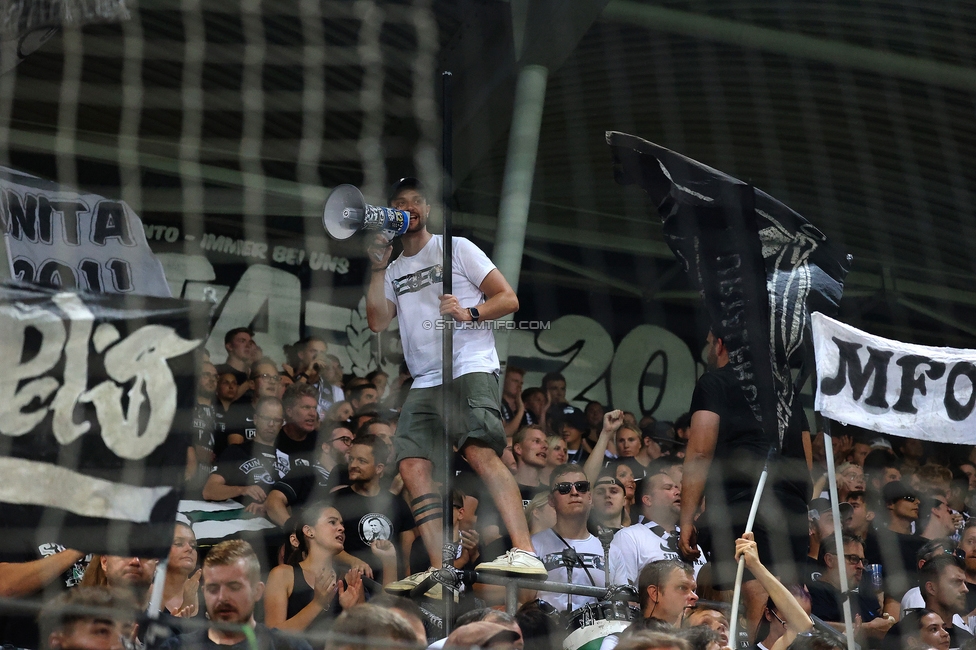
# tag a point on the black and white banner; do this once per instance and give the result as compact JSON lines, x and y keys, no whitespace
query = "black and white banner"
{"x":95,"y":396}
{"x":907,"y":390}
{"x":60,"y":237}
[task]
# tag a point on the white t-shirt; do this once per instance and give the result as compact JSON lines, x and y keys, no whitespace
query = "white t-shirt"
{"x":550,"y":549}
{"x":634,"y":546}
{"x":415,"y":284}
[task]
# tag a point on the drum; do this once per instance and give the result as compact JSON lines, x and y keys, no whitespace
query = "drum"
{"x":589,"y":624}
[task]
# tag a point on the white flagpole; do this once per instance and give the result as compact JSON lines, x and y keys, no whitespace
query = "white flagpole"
{"x":737,"y":591}
{"x":838,"y":535}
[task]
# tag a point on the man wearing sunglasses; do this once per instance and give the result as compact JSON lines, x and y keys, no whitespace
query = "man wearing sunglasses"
{"x":897,"y":547}
{"x":568,"y":551}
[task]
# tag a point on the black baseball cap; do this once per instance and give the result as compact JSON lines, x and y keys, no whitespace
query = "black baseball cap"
{"x":897,"y":490}
{"x":573,"y":417}
{"x":407,"y":183}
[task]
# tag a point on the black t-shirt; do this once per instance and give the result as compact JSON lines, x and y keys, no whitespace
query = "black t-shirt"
{"x":21,"y":630}
{"x":579,"y":456}
{"x":742,"y":445}
{"x":825,"y":603}
{"x":303,"y":453}
{"x":220,"y":428}
{"x":384,"y":516}
{"x":896,"y":553}
{"x":239,"y":419}
{"x":299,"y":485}
{"x":204,"y":428}
{"x":266,"y":640}
{"x":252,"y":464}
{"x":529,"y":492}
{"x":508,"y":414}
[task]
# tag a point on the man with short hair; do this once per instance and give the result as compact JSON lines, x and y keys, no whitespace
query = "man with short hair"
{"x":411,"y":289}
{"x":87,"y":618}
{"x":530,"y":449}
{"x":231,"y":588}
{"x":201,"y":454}
{"x":942,"y":582}
{"x":666,"y":588}
{"x":239,"y":419}
{"x":299,"y":436}
{"x":247,"y":471}
{"x":656,"y":537}
{"x":373,"y":627}
{"x":967,"y":545}
{"x":295,"y":489}
{"x":240,"y":346}
{"x":363,"y":395}
{"x":369,"y":512}
{"x":514,"y":414}
{"x":936,"y":519}
{"x":825,"y":594}
{"x":568,"y":550}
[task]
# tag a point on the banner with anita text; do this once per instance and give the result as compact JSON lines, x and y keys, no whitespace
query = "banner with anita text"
{"x":57,"y":236}
{"x":95,"y":402}
{"x":899,"y":388}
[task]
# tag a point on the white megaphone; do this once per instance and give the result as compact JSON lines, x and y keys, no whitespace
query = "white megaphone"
{"x":346,"y":212}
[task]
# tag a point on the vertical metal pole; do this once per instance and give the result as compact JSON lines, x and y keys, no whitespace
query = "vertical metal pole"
{"x":838,"y":535}
{"x":447,"y":369}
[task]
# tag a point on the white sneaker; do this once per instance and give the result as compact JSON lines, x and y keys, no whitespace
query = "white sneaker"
{"x":518,"y":563}
{"x":405,"y":586}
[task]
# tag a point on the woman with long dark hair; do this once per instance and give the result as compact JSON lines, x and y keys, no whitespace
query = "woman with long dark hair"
{"x":309,"y":592}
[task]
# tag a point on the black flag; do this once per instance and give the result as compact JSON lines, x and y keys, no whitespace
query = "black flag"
{"x":761,"y":268}
{"x":95,"y":397}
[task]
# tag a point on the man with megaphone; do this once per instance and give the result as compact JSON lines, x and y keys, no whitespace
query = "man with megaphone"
{"x":411,"y":287}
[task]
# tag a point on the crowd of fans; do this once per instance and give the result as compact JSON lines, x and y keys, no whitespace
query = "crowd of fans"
{"x":311,"y":449}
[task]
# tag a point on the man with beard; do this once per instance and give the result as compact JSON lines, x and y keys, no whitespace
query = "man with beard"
{"x":132,"y":574}
{"x":568,"y":550}
{"x":200,"y":457}
{"x":247,"y":471}
{"x":727,"y":449}
{"x":368,"y":511}
{"x":239,"y":419}
{"x":231,"y":588}
{"x":410,"y":288}
{"x":530,"y":448}
{"x":653,"y":539}
{"x":299,"y":437}
{"x":295,"y":489}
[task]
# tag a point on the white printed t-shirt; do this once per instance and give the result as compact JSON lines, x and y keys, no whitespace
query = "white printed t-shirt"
{"x":550,"y":549}
{"x":635,"y":546}
{"x":415,"y":284}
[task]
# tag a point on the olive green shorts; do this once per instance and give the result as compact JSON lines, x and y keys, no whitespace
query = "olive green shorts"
{"x":476,"y":416}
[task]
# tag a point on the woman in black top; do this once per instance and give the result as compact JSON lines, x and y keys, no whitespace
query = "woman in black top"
{"x":310,"y":591}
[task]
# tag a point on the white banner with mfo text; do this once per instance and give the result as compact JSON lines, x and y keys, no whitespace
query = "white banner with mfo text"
{"x":899,"y":388}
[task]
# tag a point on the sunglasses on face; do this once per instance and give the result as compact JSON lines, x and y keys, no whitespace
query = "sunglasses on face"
{"x":582,"y":487}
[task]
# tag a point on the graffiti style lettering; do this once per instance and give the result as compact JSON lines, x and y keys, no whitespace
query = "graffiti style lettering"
{"x":137,"y":361}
